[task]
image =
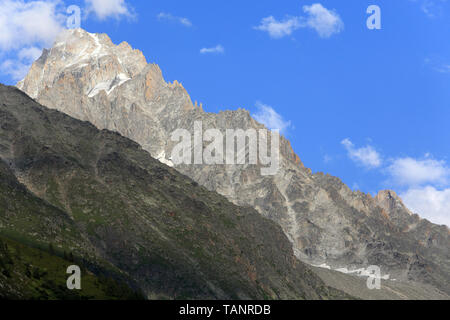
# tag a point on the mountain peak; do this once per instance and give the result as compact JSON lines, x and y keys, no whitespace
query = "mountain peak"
{"x":79,"y":52}
{"x":114,"y":88}
{"x":390,"y":201}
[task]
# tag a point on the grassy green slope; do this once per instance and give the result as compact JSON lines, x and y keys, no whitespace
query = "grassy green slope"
{"x":30,"y":273}
{"x":112,"y":203}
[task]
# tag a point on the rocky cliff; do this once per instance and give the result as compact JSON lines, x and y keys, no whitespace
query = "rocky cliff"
{"x":88,"y":77}
{"x":101,"y":196}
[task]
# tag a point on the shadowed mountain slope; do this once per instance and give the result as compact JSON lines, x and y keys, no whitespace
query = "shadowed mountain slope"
{"x":99,"y":195}
{"x":88,"y":77}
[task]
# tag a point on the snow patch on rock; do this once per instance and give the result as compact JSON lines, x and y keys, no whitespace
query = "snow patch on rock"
{"x":358,"y":272}
{"x":162,"y":158}
{"x":108,"y":86}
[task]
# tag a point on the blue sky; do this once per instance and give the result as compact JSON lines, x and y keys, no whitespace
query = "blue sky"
{"x":369,"y":106}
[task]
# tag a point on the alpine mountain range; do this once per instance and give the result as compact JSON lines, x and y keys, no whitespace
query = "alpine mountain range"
{"x":328,"y":230}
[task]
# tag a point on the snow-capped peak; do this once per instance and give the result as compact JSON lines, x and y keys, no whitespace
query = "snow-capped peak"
{"x":89,"y":57}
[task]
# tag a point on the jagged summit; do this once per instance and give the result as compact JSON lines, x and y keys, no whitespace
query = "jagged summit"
{"x":78,"y":51}
{"x":112,"y":86}
{"x":90,"y":78}
{"x":99,"y":195}
{"x":390,"y":201}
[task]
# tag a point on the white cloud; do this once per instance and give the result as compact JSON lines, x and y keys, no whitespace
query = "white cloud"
{"x":413,"y":172}
{"x":104,"y":9}
{"x":169,"y":17}
{"x":433,"y":8}
{"x":427,"y":7}
{"x":217,"y":49}
{"x":26,"y":27}
{"x":429,"y":203}
{"x":270,"y":118}
{"x":29,"y":54}
{"x":444,"y":68}
{"x":366,"y":156}
{"x":29,"y":23}
{"x":18,"y":68}
{"x":279,"y":29}
{"x":423,"y":184}
{"x":327,"y":158}
{"x":426,"y":186}
{"x":438,"y":64}
{"x":325,"y":22}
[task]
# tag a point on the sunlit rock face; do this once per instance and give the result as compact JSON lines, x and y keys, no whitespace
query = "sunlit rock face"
{"x":88,"y":77}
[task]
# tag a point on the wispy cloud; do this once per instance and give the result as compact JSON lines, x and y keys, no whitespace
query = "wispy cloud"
{"x":219,"y":49}
{"x":279,"y":29}
{"x":417,"y":172}
{"x":30,"y":54}
{"x":29,"y":26}
{"x":327,"y":158}
{"x":424,"y":184}
{"x":169,"y":17}
{"x":26,"y":28}
{"x":433,"y":8}
{"x":438,"y":64}
{"x":366,"y":156}
{"x":443,"y":68}
{"x":270,"y":118}
{"x":104,"y":9}
{"x":324,"y":21}
{"x":29,"y":23}
{"x":18,"y":68}
{"x":429,"y":203}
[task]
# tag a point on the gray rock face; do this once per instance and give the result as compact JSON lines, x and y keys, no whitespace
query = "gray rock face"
{"x":89,"y":78}
{"x":101,"y":196}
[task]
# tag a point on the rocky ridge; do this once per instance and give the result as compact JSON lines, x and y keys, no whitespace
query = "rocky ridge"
{"x":91,"y":79}
{"x":68,"y":185}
